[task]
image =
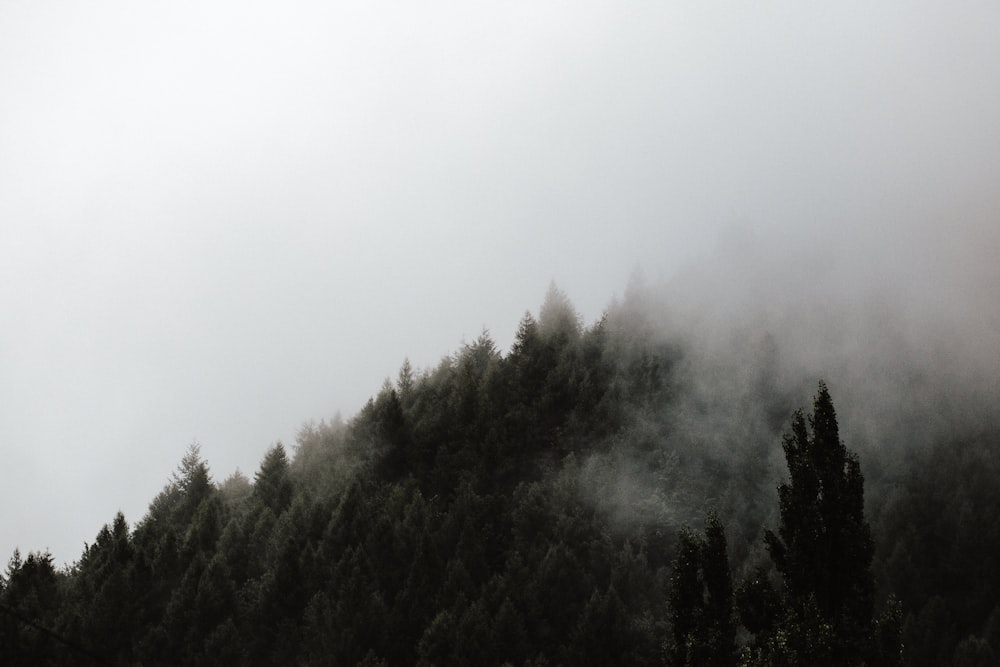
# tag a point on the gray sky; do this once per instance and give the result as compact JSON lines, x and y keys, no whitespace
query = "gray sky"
{"x":221,"y":219}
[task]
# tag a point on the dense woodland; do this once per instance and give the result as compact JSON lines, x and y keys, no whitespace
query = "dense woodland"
{"x":567,"y":502}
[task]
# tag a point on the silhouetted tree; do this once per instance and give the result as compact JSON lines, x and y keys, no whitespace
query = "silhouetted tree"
{"x":272,"y":486}
{"x":701,"y":600}
{"x":29,"y":603}
{"x":823,"y":549}
{"x":557,"y":318}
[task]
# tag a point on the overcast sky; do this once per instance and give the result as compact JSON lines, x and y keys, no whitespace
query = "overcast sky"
{"x":219,"y":220}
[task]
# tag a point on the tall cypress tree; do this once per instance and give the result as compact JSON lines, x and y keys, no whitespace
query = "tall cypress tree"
{"x":824,"y":548}
{"x":701,"y":600}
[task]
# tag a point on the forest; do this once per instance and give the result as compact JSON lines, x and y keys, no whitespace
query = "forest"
{"x":613,"y":493}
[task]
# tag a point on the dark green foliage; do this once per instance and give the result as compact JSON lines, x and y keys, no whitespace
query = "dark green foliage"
{"x":941,"y":550}
{"x":823,"y":552}
{"x":824,"y":546}
{"x":701,"y":600}
{"x":759,"y":604}
{"x":272,"y":486}
{"x":103,"y":594}
{"x":523,"y":508}
{"x":30,"y":599}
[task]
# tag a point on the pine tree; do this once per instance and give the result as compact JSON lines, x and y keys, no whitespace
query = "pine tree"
{"x":190,"y":484}
{"x":701,"y":600}
{"x":824,"y":548}
{"x":718,"y":594}
{"x":272,"y":485}
{"x":557,"y":318}
{"x":405,"y":382}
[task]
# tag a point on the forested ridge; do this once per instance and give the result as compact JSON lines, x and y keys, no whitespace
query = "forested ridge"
{"x":593,"y":496}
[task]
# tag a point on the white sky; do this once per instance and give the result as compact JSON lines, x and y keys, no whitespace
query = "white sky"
{"x":221,"y":219}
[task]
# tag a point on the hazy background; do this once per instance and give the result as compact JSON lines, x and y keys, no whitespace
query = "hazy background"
{"x":221,"y":219}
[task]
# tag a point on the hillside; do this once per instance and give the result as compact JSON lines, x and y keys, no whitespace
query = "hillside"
{"x":527,"y":507}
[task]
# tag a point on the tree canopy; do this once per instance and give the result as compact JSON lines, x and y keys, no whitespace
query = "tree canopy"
{"x":534,"y":507}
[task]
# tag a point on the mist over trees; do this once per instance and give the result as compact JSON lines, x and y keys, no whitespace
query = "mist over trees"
{"x":640,"y":490}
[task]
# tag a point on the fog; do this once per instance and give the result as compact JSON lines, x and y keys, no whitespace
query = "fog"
{"x":220,"y":220}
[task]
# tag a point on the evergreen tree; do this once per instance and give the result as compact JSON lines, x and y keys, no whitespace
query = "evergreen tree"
{"x":557,"y":318}
{"x":29,"y":601}
{"x":405,"y":382}
{"x":272,"y":486}
{"x":192,"y":477}
{"x":823,"y":549}
{"x":718,"y":594}
{"x":701,"y":600}
{"x":105,"y":603}
{"x":390,"y":433}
